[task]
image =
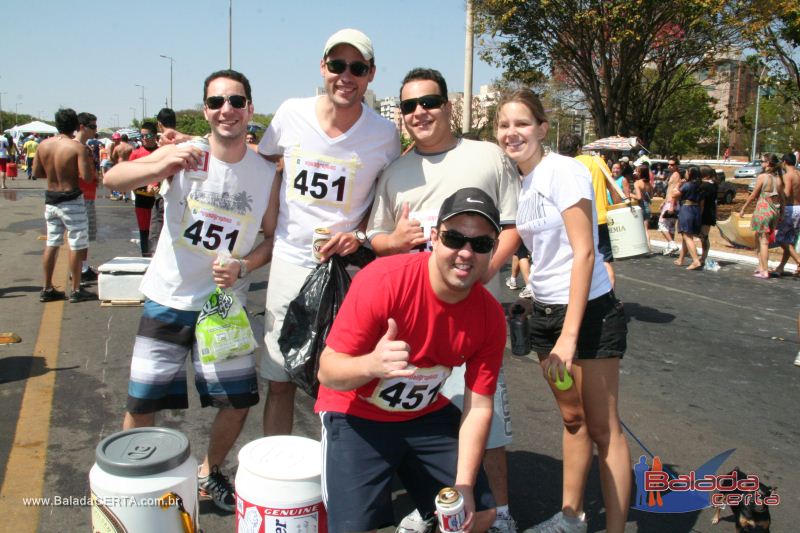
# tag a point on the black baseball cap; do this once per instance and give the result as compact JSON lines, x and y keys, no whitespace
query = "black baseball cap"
{"x":470,"y":200}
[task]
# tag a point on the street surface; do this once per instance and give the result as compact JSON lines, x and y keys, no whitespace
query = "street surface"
{"x":709,"y":368}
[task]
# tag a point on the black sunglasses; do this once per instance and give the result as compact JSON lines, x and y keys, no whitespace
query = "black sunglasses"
{"x":236,"y":100}
{"x":148,"y":135}
{"x":456,"y":241}
{"x":91,"y":126}
{"x":357,"y":68}
{"x":430,"y":101}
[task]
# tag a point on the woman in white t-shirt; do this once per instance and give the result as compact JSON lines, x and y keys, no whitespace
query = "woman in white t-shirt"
{"x":577,"y":325}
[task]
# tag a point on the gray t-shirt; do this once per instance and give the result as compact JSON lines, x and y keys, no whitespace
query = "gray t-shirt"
{"x":424,"y":181}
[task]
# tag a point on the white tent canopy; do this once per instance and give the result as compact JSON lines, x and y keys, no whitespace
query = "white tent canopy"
{"x":36,"y":126}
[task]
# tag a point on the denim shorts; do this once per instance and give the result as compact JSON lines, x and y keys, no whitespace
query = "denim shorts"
{"x":603,"y":332}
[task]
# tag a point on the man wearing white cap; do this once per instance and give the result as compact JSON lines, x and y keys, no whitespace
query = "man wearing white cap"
{"x":334,"y":148}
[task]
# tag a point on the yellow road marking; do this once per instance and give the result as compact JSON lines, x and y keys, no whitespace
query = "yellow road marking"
{"x":25,"y":470}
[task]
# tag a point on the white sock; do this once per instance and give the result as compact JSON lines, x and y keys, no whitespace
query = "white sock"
{"x":85,"y":266}
{"x":502,"y":512}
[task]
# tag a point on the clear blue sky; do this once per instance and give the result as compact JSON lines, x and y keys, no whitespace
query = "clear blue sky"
{"x":90,"y":55}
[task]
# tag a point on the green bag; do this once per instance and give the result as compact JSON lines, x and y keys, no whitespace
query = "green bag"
{"x":223,"y":329}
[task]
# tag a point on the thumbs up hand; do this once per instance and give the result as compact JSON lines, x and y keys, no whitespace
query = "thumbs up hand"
{"x":408,"y":233}
{"x":390,"y":357}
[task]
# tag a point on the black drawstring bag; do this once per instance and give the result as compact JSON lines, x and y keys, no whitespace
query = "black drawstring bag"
{"x":310,"y":316}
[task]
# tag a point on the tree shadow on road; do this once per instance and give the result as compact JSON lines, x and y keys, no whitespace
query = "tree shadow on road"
{"x":22,"y":367}
{"x":7,"y":292}
{"x":643,"y":313}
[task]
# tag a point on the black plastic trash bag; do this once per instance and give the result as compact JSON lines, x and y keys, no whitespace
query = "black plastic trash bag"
{"x":308,"y":322}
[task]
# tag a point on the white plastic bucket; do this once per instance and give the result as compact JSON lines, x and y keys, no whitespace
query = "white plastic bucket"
{"x":278,"y":486}
{"x":626,"y":231}
{"x":144,"y":479}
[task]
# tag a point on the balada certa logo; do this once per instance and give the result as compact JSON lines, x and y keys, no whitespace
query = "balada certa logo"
{"x":659,"y":490}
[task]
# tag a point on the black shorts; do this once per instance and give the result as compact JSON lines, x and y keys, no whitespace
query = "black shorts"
{"x":604,"y":243}
{"x":522,"y":252}
{"x":360,"y":456}
{"x":603,"y":332}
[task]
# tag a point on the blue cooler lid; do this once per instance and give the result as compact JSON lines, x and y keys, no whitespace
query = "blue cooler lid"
{"x":142,"y":451}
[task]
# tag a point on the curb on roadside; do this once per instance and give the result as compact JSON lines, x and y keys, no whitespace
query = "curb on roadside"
{"x":726,"y":256}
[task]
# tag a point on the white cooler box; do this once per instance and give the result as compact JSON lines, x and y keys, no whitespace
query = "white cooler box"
{"x":120,"y":279}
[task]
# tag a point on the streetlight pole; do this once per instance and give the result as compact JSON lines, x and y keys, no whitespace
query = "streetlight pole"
{"x":171,"y":61}
{"x":144,"y":113}
{"x":16,"y":111}
{"x":755,"y":125}
{"x":230,"y":34}
{"x":134,"y":114}
{"x":466,"y":119}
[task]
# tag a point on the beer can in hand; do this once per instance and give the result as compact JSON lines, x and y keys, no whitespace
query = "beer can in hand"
{"x":201,"y":173}
{"x":320,"y":238}
{"x":450,"y":510}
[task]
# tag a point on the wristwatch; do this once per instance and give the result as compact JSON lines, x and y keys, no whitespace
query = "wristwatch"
{"x":360,"y":236}
{"x":242,"y":268}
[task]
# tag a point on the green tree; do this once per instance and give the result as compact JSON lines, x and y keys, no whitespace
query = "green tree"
{"x":687,"y":126}
{"x":778,"y":130}
{"x":192,"y":122}
{"x":600,"y":46}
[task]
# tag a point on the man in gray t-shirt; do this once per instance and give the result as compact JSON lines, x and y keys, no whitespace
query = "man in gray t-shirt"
{"x":407,"y":200}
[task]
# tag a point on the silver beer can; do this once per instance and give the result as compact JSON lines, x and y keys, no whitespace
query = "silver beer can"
{"x":201,"y":172}
{"x":450,"y":510}
{"x":320,"y":238}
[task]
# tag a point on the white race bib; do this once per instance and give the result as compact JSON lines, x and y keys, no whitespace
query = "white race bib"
{"x":208,"y":227}
{"x":412,"y":393}
{"x":321,"y":180}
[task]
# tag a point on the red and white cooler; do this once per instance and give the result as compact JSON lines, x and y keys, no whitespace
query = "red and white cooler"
{"x":278,"y":486}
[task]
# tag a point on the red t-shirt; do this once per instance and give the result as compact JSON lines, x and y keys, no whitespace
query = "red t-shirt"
{"x":441,"y":336}
{"x":137,"y":154}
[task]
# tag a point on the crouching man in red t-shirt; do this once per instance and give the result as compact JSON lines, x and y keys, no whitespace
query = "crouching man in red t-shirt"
{"x":406,"y":321}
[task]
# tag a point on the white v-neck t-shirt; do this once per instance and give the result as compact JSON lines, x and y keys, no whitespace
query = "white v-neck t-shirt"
{"x":327,"y":182}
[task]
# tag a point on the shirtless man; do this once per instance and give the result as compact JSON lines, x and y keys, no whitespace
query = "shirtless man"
{"x":121,"y":151}
{"x":60,"y":161}
{"x":789,"y":225}
{"x":666,"y":225}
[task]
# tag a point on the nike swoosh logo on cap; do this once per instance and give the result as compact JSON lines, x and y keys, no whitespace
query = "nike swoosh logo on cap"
{"x":470,"y":200}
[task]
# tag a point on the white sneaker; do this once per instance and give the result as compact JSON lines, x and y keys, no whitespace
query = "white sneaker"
{"x":511,"y":283}
{"x":797,"y":359}
{"x":526,"y":293}
{"x":558,"y":523}
{"x":414,"y":523}
{"x":503,"y":524}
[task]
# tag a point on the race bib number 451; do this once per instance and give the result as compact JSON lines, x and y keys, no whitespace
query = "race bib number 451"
{"x":316,"y":179}
{"x":207,"y":228}
{"x":413,"y":393}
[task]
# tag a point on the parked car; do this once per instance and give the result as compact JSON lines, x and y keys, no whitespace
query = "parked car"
{"x":750,"y":170}
{"x":726,"y":191}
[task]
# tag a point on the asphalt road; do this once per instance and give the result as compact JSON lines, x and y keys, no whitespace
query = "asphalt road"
{"x":709,"y":368}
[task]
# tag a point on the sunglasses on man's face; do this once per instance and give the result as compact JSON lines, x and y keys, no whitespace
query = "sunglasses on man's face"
{"x":91,"y":126}
{"x":236,"y":100}
{"x":456,"y":241}
{"x":430,"y":101}
{"x":338,"y":66}
{"x":148,"y":135}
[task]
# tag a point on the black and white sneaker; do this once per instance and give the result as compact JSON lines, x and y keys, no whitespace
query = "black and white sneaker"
{"x":51,"y":295}
{"x":217,"y":487}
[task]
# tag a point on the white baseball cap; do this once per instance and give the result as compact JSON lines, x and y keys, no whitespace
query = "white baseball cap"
{"x":352,"y":37}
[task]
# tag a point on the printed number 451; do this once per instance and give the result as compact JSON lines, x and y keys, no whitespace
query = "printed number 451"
{"x":318,"y":188}
{"x":213,"y":236}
